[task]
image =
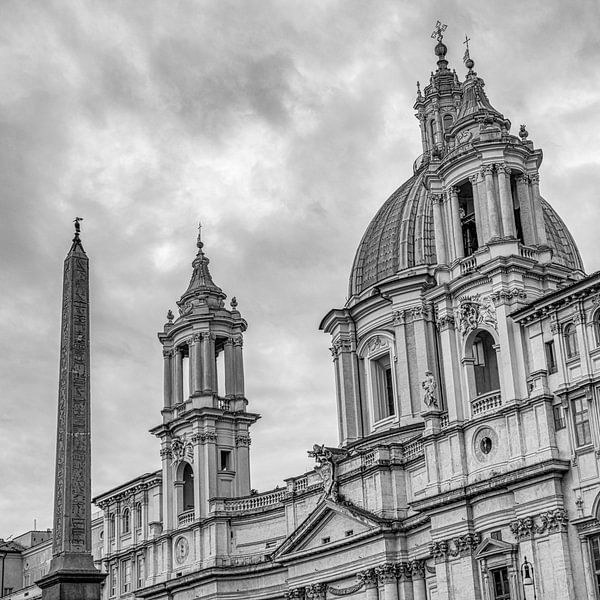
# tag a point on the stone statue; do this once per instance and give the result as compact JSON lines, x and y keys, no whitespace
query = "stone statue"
{"x":430,"y":386}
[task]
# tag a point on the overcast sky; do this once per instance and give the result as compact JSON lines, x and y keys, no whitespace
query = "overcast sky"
{"x":283,"y":125}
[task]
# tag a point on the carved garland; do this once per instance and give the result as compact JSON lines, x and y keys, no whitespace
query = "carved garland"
{"x":474,"y":311}
{"x":459,"y":546}
{"x":551,"y":521}
{"x":388,"y":572}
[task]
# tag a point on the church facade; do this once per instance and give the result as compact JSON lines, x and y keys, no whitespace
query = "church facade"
{"x":467,"y":369}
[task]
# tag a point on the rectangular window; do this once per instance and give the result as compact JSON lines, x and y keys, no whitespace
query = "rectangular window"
{"x":140,"y":571}
{"x":126,"y":576}
{"x":383,"y":388}
{"x":225,"y":460}
{"x":500,"y":584}
{"x":581,"y":422}
{"x":550,"y":357}
{"x":595,"y":548}
{"x":113,"y":580}
{"x":559,"y":417}
{"x":478,"y":353}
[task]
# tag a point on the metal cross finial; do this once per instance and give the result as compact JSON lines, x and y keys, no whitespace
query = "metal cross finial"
{"x":76,"y":220}
{"x":199,"y":243}
{"x":467,"y":40}
{"x":438,"y":32}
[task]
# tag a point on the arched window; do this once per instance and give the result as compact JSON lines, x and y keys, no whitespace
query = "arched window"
{"x":485,"y":364}
{"x":126,"y":522}
{"x":188,"y":487}
{"x":112,"y":526}
{"x":596,"y":326}
{"x":138,"y":515}
{"x":378,"y":361}
{"x":570,"y":335}
{"x":447,"y":122}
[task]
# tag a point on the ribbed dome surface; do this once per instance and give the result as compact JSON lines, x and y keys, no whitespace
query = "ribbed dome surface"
{"x":401,"y":235}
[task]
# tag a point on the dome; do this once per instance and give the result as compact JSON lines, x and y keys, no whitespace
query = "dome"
{"x":401,"y":236}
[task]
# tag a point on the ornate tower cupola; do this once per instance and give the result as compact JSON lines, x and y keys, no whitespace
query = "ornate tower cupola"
{"x":437,"y":107}
{"x":205,"y":430}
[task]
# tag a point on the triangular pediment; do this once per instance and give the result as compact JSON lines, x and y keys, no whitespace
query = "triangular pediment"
{"x":491,"y":547}
{"x":328,"y":524}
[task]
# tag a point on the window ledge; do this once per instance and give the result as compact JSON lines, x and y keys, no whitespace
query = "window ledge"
{"x":573,"y":360}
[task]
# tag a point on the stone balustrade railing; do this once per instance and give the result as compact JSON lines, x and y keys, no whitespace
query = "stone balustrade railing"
{"x":468,"y":264}
{"x":486,"y":403}
{"x":255,"y":501}
{"x":185,"y":518}
{"x":412,"y":449}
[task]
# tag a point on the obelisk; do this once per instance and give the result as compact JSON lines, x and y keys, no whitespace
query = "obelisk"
{"x":72,"y":575}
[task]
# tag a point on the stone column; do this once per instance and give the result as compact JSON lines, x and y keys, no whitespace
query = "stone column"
{"x":480,"y":221}
{"x":207,"y":362}
{"x":229,"y":369}
{"x":178,"y":376}
{"x":405,"y":581}
{"x":238,"y":356}
{"x":582,"y":340}
{"x":349,"y":396}
{"x":196,"y":365}
{"x":167,"y":378}
{"x":492,"y":209}
{"x":407,"y":410}
{"x":527,"y":223}
{"x":451,"y":368}
{"x":440,"y":246}
{"x":438,"y":124}
{"x":506,"y":204}
{"x":369,"y":579}
{"x":72,"y":573}
{"x":190,"y":344}
{"x":459,"y":251}
{"x":386,"y":574}
{"x":421,"y":118}
{"x":418,"y":579}
{"x":540,"y":225}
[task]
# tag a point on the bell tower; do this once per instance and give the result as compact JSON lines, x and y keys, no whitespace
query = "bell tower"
{"x":205,"y":430}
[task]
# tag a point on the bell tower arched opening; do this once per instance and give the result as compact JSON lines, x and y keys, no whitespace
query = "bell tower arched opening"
{"x":466,"y":210}
{"x":485,"y":363}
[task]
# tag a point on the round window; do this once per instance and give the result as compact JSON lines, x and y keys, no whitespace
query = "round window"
{"x":486,"y":445}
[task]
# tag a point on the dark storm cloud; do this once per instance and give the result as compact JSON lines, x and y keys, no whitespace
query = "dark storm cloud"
{"x":284,"y":125}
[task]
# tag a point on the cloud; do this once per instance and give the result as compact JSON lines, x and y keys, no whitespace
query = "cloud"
{"x":283,"y":126}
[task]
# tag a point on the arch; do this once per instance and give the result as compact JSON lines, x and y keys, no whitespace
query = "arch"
{"x":138,"y":515}
{"x":485,"y":363}
{"x":126,"y":521}
{"x":185,"y":480}
{"x":570,"y":339}
{"x":447,"y":121}
{"x":596,"y":327}
{"x":377,"y":354}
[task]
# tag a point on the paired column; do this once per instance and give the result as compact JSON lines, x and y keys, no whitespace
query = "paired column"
{"x":492,"y":209}
{"x":440,"y":246}
{"x":196,"y":364}
{"x":506,"y":204}
{"x":229,"y":369}
{"x":167,"y":378}
{"x":527,"y":217}
{"x":178,"y":376}
{"x":238,"y":361}
{"x":456,"y":228}
{"x":540,"y":225}
{"x":208,"y":359}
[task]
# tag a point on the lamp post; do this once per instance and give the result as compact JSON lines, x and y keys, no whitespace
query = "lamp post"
{"x":527,"y":577}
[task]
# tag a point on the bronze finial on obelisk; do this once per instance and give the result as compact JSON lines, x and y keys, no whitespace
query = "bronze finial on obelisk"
{"x":72,"y":574}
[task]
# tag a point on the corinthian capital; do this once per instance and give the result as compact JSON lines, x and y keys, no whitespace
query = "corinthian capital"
{"x":503,"y":169}
{"x":534,"y":178}
{"x":487,"y":170}
{"x":436,"y":198}
{"x":474,"y":179}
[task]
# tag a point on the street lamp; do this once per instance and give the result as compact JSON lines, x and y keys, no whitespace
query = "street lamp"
{"x":527,"y":577}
